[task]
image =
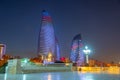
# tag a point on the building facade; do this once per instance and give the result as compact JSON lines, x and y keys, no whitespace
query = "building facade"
{"x":77,"y":55}
{"x":57,"y":49}
{"x":46,"y":39}
{"x":2,"y":50}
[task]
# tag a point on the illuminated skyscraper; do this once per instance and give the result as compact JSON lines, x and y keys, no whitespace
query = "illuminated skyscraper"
{"x":46,"y":39}
{"x":57,"y":49}
{"x":77,"y":55}
{"x":2,"y":50}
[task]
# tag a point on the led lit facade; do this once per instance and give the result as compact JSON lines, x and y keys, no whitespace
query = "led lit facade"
{"x":2,"y":50}
{"x":77,"y":55}
{"x":46,"y":39}
{"x":57,"y":49}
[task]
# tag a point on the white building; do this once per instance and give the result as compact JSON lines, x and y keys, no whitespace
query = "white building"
{"x":2,"y":50}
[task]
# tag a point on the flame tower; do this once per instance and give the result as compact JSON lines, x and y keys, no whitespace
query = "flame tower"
{"x":46,"y":39}
{"x":57,"y":51}
{"x":77,"y":55}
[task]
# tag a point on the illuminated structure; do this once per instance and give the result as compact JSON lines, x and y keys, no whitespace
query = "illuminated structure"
{"x":46,"y":40}
{"x":2,"y":50}
{"x":57,"y":49}
{"x":50,"y":57}
{"x":87,"y":52}
{"x":77,"y":55}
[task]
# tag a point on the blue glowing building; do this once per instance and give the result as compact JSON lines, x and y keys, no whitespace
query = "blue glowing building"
{"x":57,"y":49}
{"x":77,"y":55}
{"x":46,"y":39}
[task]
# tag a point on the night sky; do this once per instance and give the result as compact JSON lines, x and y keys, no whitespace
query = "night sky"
{"x":97,"y":20}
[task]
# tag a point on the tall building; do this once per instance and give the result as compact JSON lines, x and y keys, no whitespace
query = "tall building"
{"x":46,"y":39}
{"x":2,"y":50}
{"x":57,"y":49}
{"x":77,"y":55}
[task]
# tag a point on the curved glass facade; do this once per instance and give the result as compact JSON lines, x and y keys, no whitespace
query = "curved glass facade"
{"x":57,"y":50}
{"x":46,"y":40}
{"x":77,"y":55}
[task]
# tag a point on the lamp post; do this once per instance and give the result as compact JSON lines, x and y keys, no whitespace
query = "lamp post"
{"x":87,"y":52}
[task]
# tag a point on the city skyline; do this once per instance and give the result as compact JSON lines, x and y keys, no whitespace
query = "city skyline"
{"x":97,"y":21}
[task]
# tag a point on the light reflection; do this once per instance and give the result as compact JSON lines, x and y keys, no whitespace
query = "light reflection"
{"x":5,"y":77}
{"x":83,"y":76}
{"x":88,"y":77}
{"x":54,"y":77}
{"x":24,"y":76}
{"x":62,"y":76}
{"x":58,"y":77}
{"x":49,"y":77}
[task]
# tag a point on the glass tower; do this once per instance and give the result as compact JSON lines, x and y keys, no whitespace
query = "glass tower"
{"x":77,"y":55}
{"x":46,"y":39}
{"x":57,"y":49}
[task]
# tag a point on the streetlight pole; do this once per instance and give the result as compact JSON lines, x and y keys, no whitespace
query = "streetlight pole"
{"x":87,"y":52}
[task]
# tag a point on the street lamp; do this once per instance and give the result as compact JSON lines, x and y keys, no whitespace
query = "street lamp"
{"x":87,"y":52}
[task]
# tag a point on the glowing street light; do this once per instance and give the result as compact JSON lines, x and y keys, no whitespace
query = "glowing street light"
{"x":87,"y":52}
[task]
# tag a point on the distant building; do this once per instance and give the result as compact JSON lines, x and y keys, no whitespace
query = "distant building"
{"x":46,"y":40}
{"x":2,"y":50}
{"x":92,"y":62}
{"x":77,"y":55}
